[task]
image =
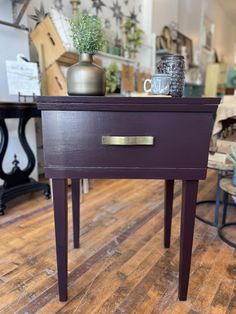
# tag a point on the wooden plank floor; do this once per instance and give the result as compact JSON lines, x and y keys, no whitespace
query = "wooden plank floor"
{"x":121,"y":266}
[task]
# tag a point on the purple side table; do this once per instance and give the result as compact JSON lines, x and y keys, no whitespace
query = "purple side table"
{"x":133,"y":138}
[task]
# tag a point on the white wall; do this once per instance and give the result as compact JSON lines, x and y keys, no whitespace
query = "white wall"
{"x":225,"y":30}
{"x":191,"y":16}
{"x":12,"y":42}
{"x":164,"y":12}
{"x":190,"y":19}
{"x":145,"y":56}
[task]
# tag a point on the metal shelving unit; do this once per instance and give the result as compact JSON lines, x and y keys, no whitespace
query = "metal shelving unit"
{"x":17,"y":16}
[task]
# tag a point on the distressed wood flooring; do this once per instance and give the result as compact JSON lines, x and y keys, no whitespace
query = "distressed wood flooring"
{"x":121,"y":266}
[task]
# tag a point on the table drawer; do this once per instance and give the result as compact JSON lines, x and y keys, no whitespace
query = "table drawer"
{"x":76,"y":139}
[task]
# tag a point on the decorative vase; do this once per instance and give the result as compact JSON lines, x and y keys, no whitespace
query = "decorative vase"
{"x":234,"y":177}
{"x":86,"y":78}
{"x":174,"y":66}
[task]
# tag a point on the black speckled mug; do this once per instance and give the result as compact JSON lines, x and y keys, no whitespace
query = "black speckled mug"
{"x":174,"y":66}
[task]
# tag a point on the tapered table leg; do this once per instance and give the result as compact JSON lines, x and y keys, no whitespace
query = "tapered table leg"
{"x":61,"y":232}
{"x":169,"y":192}
{"x":76,"y":211}
{"x":189,"y":198}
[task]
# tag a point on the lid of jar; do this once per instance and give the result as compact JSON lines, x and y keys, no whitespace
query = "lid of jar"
{"x":173,"y":57}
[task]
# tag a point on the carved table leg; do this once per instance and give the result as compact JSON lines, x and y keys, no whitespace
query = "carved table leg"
{"x":3,"y":148}
{"x":31,"y":159}
{"x":169,"y":192}
{"x":18,"y":182}
{"x":189,"y":198}
{"x":22,"y":138}
{"x":76,"y":211}
{"x":61,"y":232}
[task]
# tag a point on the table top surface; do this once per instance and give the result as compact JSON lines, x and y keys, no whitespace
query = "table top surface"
{"x":92,"y":103}
{"x":18,"y":110}
{"x":16,"y":105}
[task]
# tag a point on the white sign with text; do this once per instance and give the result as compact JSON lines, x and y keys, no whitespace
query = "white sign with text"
{"x":23,"y":78}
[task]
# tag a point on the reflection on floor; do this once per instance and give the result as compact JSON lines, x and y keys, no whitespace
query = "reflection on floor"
{"x":121,"y":266}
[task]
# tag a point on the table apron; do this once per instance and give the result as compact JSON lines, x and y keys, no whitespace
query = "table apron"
{"x":75,"y":140}
{"x":127,"y":173}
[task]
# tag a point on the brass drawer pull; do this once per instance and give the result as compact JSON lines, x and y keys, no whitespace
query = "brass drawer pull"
{"x":128,"y":140}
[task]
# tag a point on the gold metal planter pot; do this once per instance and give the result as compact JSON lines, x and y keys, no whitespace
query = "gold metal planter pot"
{"x":86,"y":78}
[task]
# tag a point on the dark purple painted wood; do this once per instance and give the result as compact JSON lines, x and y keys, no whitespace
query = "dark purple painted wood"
{"x":126,"y":100}
{"x":127,"y":173}
{"x":61,"y":233}
{"x":75,"y":185}
{"x":127,"y":104}
{"x":72,"y":131}
{"x":189,"y":198}
{"x":168,"y":203}
{"x":75,"y":137}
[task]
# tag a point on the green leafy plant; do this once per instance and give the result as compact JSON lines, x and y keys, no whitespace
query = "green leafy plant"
{"x":112,"y":77}
{"x":87,"y":34}
{"x":134,"y":36}
{"x":232,"y":156}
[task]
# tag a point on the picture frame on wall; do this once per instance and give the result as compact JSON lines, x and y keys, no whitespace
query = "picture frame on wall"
{"x":184,"y":41}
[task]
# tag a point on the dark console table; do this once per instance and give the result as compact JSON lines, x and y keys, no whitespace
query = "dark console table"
{"x":18,"y":182}
{"x":134,"y":138}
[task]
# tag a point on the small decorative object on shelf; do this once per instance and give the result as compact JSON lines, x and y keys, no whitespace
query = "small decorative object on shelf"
{"x":113,"y":44}
{"x":184,"y":41}
{"x":161,"y":44}
{"x":174,"y":67}
{"x":112,"y":78}
{"x":85,"y":77}
{"x":166,"y":42}
{"x":110,"y":42}
{"x":166,"y":33}
{"x":127,"y":79}
{"x":159,"y":84}
{"x":232,"y":157}
{"x":75,"y":7}
{"x":133,"y":37}
{"x":118,"y":46}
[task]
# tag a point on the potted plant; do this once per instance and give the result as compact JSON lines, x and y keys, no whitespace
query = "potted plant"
{"x":85,"y":77}
{"x":232,"y":157}
{"x":112,"y":78}
{"x":133,"y":37}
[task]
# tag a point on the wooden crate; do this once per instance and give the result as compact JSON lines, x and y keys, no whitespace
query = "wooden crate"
{"x":46,"y":35}
{"x":55,"y":81}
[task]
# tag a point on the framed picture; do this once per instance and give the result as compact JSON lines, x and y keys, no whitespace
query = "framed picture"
{"x":184,"y":41}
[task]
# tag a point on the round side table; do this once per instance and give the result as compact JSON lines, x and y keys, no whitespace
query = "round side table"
{"x":229,"y":189}
{"x":222,"y":170}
